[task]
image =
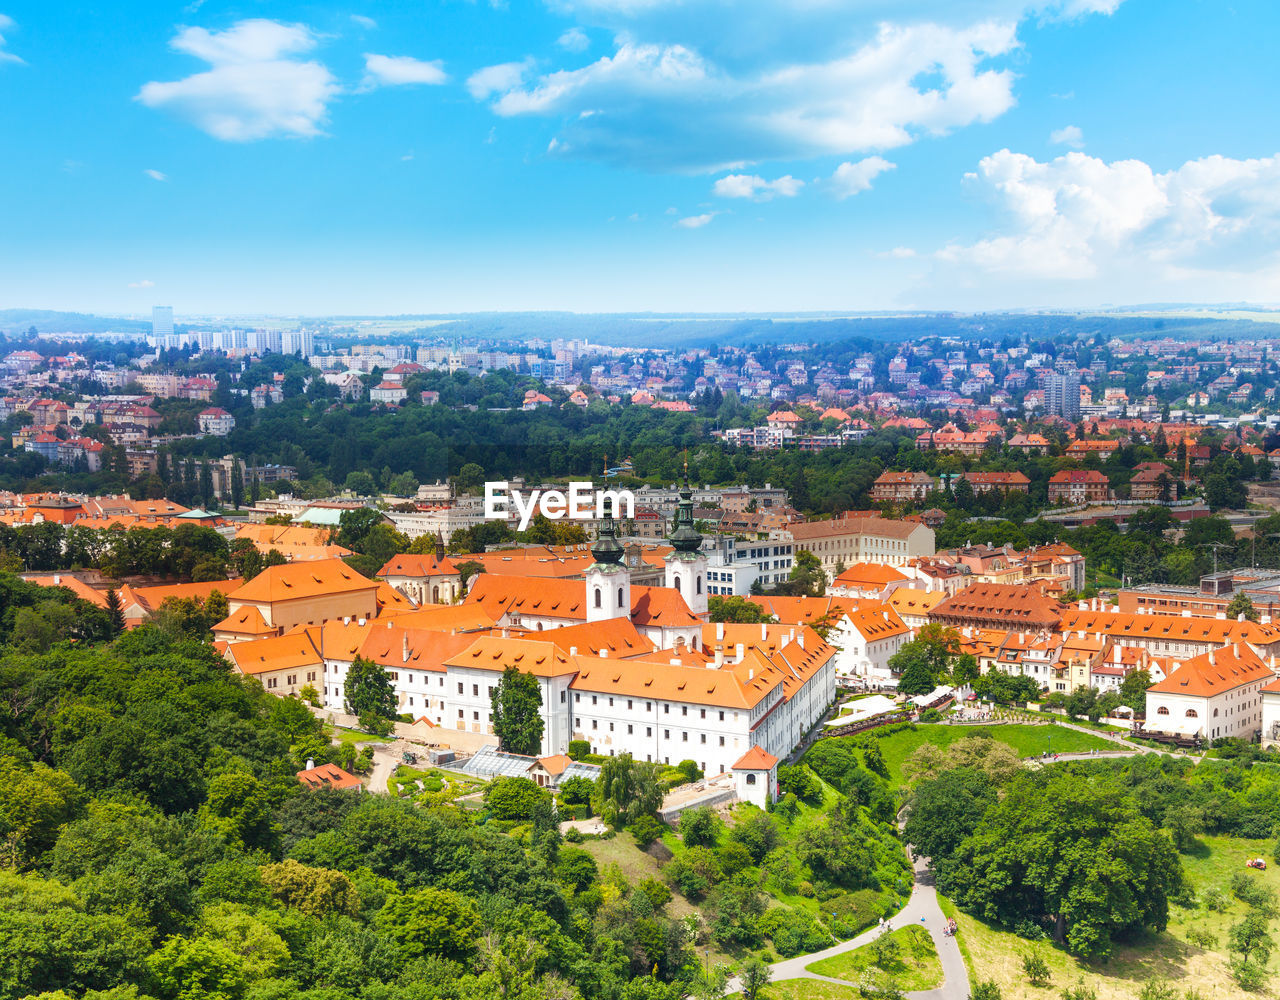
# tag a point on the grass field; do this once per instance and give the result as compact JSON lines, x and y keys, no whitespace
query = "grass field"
{"x":906,"y":973}
{"x":807,"y":989}
{"x":990,"y":953}
{"x":1025,"y":738}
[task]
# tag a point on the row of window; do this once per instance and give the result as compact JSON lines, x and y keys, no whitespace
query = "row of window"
{"x":579,"y":724}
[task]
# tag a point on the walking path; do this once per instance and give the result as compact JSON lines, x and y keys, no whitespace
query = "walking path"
{"x":922,"y":908}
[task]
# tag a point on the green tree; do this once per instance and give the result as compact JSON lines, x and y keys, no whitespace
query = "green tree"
{"x":514,"y":798}
{"x":755,"y":976}
{"x":197,"y":969}
{"x":239,"y":808}
{"x":1242,"y":604}
{"x":36,"y":802}
{"x":431,"y":922}
{"x":1133,"y":689}
{"x":947,"y":810}
{"x":517,"y":712}
{"x":369,"y":691}
{"x":1035,"y":968}
{"x":698,"y":827}
{"x":318,"y":892}
{"x":115,"y":612}
{"x":807,"y":577}
{"x":626,"y":790}
{"x":1251,"y":938}
{"x":1040,"y":850}
{"x":738,"y":610}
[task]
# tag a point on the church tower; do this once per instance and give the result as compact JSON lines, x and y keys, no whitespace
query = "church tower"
{"x":687,"y":565}
{"x":608,"y":580}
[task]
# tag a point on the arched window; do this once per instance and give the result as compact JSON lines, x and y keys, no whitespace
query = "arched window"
{"x":751,"y":779}
{"x":619,"y":597}
{"x":1215,"y":713}
{"x":1192,"y":714}
{"x":699,"y":585}
{"x":435,"y":595}
{"x":675,"y":582}
{"x":598,"y":597}
{"x":539,"y":626}
{"x":1162,"y":711}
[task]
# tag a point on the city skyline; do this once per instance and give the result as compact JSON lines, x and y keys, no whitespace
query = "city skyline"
{"x":611,"y":156}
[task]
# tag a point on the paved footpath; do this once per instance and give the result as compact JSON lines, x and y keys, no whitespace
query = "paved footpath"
{"x":922,"y":904}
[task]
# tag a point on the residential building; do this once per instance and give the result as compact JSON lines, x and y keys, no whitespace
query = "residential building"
{"x":902,"y":487}
{"x":1079,"y":486}
{"x":1216,"y":694}
{"x":216,"y":420}
{"x":844,"y":541}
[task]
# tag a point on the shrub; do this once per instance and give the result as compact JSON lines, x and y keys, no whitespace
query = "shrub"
{"x":579,"y":749}
{"x":1202,"y":938}
{"x":1030,"y":930}
{"x":794,"y":932}
{"x":576,"y":868}
{"x":733,"y":858}
{"x":1157,"y":989}
{"x":514,"y":798}
{"x":1214,"y":899}
{"x":698,"y":827}
{"x":576,"y":791}
{"x":1079,"y":992}
{"x":1036,"y":968}
{"x":987,"y":990}
{"x":646,"y":830}
{"x":1248,"y":976}
{"x":659,"y":895}
{"x":695,"y":872}
{"x":690,"y":770}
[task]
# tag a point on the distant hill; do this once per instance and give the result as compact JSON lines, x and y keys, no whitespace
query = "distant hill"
{"x":18,"y":321}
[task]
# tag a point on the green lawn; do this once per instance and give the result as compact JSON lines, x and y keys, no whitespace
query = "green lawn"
{"x":353,"y":736}
{"x":992,"y":953}
{"x":1027,"y":739}
{"x":807,"y":989}
{"x":908,"y":972}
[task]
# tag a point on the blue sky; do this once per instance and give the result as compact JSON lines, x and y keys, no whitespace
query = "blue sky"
{"x":608,"y":155}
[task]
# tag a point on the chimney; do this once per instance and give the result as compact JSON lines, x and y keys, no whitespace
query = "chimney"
{"x":1220,"y":616}
{"x":604,"y":653}
{"x":751,"y":674}
{"x":719,"y":659}
{"x":764,"y":631}
{"x":573,"y":650}
{"x":739,"y":651}
{"x":310,"y":763}
{"x":359,"y":621}
{"x":346,"y":620}
{"x":1212,"y":662}
{"x":405,"y":648}
{"x":719,"y":631}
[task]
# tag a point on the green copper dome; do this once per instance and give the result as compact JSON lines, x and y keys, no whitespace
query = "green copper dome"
{"x":607,"y":549}
{"x":684,"y":536}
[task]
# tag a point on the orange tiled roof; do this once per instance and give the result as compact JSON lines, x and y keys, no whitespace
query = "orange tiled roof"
{"x":294,"y":581}
{"x":282,"y":652}
{"x":755,"y":759}
{"x":1215,"y":672}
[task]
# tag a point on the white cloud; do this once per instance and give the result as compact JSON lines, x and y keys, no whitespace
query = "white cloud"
{"x":256,"y":87}
{"x":144,"y":283}
{"x":752,"y":186}
{"x":898,"y":253}
{"x":156,"y":175}
{"x":497,"y":79}
{"x":696,"y":221}
{"x":574,"y":40}
{"x":854,"y":178}
{"x":367,"y":23}
{"x":1079,"y":218}
{"x":399,"y":71}
{"x":6,"y":23}
{"x":1068,"y":135}
{"x":670,"y":107}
